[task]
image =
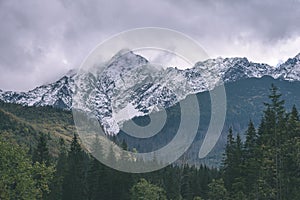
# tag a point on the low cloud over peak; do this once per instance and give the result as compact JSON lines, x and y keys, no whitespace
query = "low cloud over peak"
{"x":42,"y":40}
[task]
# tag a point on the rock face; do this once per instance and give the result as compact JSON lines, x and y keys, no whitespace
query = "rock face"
{"x":130,"y":86}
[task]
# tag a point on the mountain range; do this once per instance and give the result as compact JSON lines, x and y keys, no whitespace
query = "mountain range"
{"x":131,"y":86}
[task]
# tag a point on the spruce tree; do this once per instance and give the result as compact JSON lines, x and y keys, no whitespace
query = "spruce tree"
{"x":61,"y":167}
{"x":171,"y":177}
{"x":95,"y":180}
{"x":251,"y":160}
{"x":74,"y":180}
{"x":291,"y":149}
{"x":41,"y":153}
{"x":293,"y":119}
{"x":272,"y":136}
{"x":238,"y":184}
{"x":185,"y":189}
{"x":96,"y":173}
{"x":233,"y":164}
{"x":228,"y":168}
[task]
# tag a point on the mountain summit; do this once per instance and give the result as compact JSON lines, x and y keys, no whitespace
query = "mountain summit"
{"x":289,"y":70}
{"x":130,"y":86}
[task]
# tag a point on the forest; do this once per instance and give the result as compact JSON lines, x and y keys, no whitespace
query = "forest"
{"x":265,"y":165}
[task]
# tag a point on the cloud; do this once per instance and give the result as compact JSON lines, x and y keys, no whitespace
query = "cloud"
{"x":41,"y":40}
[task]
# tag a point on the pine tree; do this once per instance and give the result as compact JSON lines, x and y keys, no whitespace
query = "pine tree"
{"x":171,"y":179}
{"x":96,"y":173}
{"x":238,"y":185}
{"x":74,"y":181}
{"x":228,"y":168}
{"x":61,"y":167}
{"x":185,"y":189}
{"x":272,"y":136}
{"x":293,"y":120}
{"x":291,"y":169}
{"x":41,"y":153}
{"x":111,"y":177}
{"x":251,"y":139}
{"x":95,"y":180}
{"x":233,"y":164}
{"x":251,"y":164}
{"x":41,"y":160}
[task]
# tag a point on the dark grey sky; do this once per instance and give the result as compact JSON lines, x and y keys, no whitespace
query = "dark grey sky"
{"x":41,"y":40}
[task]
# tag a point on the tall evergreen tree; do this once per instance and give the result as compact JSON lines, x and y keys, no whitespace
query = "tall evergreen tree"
{"x":251,"y":164}
{"x":291,"y":169}
{"x":238,"y":185}
{"x":171,"y":176}
{"x":61,"y":167}
{"x":272,"y":136}
{"x":233,"y":164}
{"x":74,"y":180}
{"x":186,"y":190}
{"x":41,"y":153}
{"x":96,"y":174}
{"x":251,"y":139}
{"x":229,"y":172}
{"x":41,"y":159}
{"x":293,"y":120}
{"x":95,"y":180}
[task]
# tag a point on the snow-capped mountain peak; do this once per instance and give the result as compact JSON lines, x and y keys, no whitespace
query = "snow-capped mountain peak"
{"x":130,"y":86}
{"x":71,"y":73}
{"x":124,"y":60}
{"x":289,"y":70}
{"x":298,"y":56}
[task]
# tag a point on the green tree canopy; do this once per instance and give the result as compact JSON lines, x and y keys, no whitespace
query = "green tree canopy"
{"x":144,"y":190}
{"x":17,"y":174}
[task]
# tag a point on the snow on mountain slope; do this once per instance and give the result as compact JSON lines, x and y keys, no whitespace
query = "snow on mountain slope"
{"x":58,"y":94}
{"x":289,"y":70}
{"x":130,"y":86}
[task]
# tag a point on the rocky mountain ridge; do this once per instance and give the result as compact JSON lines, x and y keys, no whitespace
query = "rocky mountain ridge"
{"x":130,"y":86}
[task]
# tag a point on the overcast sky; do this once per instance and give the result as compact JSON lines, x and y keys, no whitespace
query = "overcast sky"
{"x":41,"y":40}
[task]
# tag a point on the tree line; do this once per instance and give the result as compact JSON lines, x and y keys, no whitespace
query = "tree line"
{"x":267,"y":164}
{"x":264,"y":163}
{"x":75,"y":174}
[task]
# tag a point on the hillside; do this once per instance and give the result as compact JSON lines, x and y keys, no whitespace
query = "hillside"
{"x":130,"y":82}
{"x":24,"y":124}
{"x":245,"y":101}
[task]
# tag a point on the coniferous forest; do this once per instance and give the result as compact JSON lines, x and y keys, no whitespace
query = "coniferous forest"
{"x":265,"y":165}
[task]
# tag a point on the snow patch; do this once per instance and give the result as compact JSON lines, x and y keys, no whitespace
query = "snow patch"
{"x":128,"y":112}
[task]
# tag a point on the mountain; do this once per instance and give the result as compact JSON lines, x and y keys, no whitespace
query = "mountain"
{"x":130,"y":86}
{"x":290,"y":70}
{"x":245,"y":99}
{"x":57,"y":94}
{"x":245,"y":102}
